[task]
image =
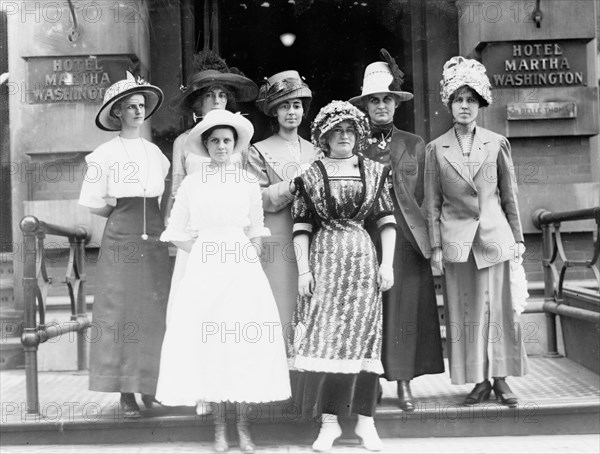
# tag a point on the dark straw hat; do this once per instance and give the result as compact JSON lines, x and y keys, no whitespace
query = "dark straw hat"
{"x":279,"y":88}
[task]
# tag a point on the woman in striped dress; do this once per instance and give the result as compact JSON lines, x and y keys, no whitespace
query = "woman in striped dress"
{"x":337,"y":323}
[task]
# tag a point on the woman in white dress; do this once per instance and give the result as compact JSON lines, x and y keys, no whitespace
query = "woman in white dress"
{"x":224,"y":313}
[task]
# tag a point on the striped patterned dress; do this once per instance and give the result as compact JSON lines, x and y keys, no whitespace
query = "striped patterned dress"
{"x":339,"y":328}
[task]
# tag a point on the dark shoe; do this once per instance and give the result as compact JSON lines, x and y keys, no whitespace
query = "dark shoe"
{"x":149,"y":400}
{"x":220,"y":437}
{"x":246,"y":444}
{"x":480,"y":392}
{"x":129,"y":406}
{"x":504,"y":394}
{"x":405,"y":396}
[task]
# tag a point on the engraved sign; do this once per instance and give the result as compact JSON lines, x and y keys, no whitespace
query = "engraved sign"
{"x":541,"y":110}
{"x":74,"y":79}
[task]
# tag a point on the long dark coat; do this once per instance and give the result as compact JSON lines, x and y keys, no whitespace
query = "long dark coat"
{"x":411,"y":330}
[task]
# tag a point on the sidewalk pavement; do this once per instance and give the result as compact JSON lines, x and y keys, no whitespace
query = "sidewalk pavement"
{"x":531,"y":444}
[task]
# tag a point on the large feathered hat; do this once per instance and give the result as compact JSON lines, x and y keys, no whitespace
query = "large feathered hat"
{"x":382,"y":77}
{"x":121,"y":89}
{"x":460,"y":71}
{"x":211,"y":69}
{"x":333,"y":114}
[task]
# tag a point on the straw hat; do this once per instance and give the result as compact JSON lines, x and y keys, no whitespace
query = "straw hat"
{"x":281,"y":87}
{"x":460,"y":71}
{"x":382,"y":77}
{"x":123,"y":89}
{"x":220,"y":117}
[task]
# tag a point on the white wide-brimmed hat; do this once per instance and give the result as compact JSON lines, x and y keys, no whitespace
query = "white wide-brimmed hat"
{"x":220,"y":117}
{"x":281,"y":87}
{"x":378,"y":78}
{"x":121,"y":89}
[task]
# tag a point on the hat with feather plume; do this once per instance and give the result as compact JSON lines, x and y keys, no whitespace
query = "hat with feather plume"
{"x":382,"y":77}
{"x":211,"y":70}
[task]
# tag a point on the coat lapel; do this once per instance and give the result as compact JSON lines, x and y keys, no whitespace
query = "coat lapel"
{"x":479,"y":151}
{"x":454,"y":157}
{"x":277,"y":156}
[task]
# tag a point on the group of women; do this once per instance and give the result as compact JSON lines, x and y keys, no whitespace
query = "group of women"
{"x":340,"y":292}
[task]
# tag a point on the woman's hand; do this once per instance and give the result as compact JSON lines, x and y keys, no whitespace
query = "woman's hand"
{"x":292,"y":187}
{"x":306,"y":284}
{"x":385,"y":277}
{"x":437,"y":259}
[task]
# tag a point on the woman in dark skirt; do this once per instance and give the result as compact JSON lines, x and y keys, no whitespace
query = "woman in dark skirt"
{"x":412,"y":343}
{"x":123,"y":182}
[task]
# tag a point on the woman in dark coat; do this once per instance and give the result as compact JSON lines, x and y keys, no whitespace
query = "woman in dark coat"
{"x":411,"y":331}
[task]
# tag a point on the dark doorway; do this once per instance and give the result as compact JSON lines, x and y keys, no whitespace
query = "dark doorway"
{"x":334,"y":42}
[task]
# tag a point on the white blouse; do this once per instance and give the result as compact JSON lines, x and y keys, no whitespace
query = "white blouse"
{"x":123,"y":168}
{"x":216,"y":200}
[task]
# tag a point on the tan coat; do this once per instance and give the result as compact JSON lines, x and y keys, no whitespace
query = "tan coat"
{"x":472,"y":205}
{"x":272,"y":164}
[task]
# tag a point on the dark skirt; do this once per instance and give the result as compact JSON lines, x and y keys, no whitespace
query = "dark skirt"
{"x":412,"y":343}
{"x":132,"y":288}
{"x":316,"y":393}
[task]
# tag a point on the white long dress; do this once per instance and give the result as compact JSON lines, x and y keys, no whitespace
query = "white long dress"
{"x":223,"y":339}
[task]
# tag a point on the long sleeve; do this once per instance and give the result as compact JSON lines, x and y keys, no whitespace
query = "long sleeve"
{"x":178,"y":221}
{"x":275,"y":195}
{"x":302,"y":215}
{"x":507,"y":184}
{"x":433,"y":196}
{"x":257,"y":225}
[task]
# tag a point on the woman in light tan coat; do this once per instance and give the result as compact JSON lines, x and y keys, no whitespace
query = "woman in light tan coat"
{"x":475,"y":231}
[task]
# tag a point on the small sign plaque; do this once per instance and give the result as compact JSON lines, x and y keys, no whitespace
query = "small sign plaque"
{"x":541,"y":110}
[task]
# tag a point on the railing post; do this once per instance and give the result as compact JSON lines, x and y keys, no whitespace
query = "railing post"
{"x":82,"y":359}
{"x":549,"y":294}
{"x":29,"y":337}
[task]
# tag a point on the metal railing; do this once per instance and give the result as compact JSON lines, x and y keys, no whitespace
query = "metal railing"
{"x":553,"y":249}
{"x":36,"y":283}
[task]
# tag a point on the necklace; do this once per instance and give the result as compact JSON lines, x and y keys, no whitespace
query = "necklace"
{"x":144,"y":186}
{"x":385,"y":139}
{"x":343,"y":157}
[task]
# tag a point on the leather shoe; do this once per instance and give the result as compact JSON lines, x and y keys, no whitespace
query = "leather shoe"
{"x":480,"y":392}
{"x":129,"y":406}
{"x":504,"y":394}
{"x":149,"y":400}
{"x":405,"y":396}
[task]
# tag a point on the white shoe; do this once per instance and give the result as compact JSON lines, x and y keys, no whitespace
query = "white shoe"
{"x":203,"y":408}
{"x":365,"y":430}
{"x":330,"y":431}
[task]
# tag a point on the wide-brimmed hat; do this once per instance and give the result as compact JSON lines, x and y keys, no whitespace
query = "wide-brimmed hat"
{"x":333,"y":114}
{"x":281,"y":87}
{"x":121,"y":89}
{"x":243,"y":88}
{"x":460,"y":71}
{"x":382,"y":77}
{"x":220,"y":117}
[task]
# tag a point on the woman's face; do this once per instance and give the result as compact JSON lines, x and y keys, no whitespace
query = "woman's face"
{"x":289,"y":113}
{"x":465,"y":106}
{"x":220,"y":145}
{"x":381,"y":108}
{"x":213,"y":98}
{"x":342,"y":139}
{"x":132,"y":111}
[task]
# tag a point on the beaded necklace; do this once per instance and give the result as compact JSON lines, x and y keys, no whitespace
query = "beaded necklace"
{"x":143,"y":186}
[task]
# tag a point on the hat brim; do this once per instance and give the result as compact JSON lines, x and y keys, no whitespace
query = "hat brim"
{"x":244,"y":129}
{"x":402,"y":96}
{"x":244,"y":89}
{"x":153,"y":96}
{"x":296,"y":93}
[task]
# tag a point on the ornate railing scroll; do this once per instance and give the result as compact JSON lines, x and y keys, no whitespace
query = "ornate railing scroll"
{"x":36,"y":283}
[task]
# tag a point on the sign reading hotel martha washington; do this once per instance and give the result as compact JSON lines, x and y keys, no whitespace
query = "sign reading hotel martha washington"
{"x":536,"y":63}
{"x":73,"y":79}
